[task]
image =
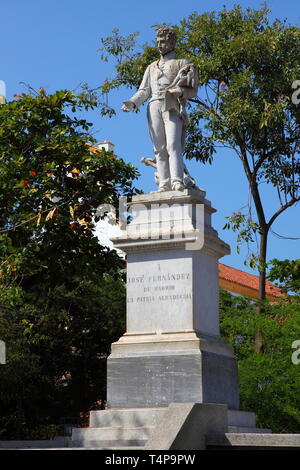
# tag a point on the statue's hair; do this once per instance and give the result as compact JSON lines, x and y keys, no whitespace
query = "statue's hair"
{"x":168,"y":32}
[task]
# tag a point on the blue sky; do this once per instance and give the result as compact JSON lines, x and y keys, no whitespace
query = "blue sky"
{"x":53,"y":44}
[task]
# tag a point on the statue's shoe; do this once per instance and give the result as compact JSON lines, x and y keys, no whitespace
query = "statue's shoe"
{"x":178,"y":186}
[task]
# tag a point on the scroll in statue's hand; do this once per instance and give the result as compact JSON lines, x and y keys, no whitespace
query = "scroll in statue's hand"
{"x":128,"y":106}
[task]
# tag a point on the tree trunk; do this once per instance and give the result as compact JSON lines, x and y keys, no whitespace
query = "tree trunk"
{"x":258,"y":342}
{"x":262,"y":264}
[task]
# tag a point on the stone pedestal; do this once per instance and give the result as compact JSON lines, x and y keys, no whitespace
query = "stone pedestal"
{"x":172,"y":350}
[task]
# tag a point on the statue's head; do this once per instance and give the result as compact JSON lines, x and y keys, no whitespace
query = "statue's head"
{"x":166,"y":40}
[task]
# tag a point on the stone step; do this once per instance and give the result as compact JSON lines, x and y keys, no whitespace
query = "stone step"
{"x":59,"y":441}
{"x":253,"y":440}
{"x":248,"y":430}
{"x":128,"y":418}
{"x":110,"y":436}
{"x":115,"y":444}
{"x":97,"y":447}
{"x":136,"y":417}
{"x":38,"y":447}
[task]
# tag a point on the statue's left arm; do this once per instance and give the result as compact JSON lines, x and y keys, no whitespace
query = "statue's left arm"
{"x":186,"y":83}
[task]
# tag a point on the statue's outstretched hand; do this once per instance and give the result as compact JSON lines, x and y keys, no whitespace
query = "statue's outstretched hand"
{"x":128,"y":106}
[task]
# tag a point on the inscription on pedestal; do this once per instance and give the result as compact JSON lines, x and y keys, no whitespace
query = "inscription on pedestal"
{"x":167,"y":285}
{"x":159,"y":288}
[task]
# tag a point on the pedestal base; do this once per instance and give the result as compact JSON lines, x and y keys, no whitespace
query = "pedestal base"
{"x":155,"y":373}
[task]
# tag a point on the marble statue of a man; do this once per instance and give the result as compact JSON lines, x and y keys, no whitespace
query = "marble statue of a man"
{"x":168,"y":82}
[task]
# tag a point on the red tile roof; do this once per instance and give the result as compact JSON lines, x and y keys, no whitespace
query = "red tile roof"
{"x":247,"y":280}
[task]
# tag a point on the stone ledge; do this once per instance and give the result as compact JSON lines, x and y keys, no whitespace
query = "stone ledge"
{"x":253,"y":440}
{"x":185,"y":196}
{"x":210,"y":244}
{"x":135,"y":344}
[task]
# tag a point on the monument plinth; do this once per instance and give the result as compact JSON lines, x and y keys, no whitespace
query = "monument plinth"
{"x":172,"y":350}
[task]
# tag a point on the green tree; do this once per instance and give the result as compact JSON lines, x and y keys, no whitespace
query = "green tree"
{"x":287,"y":273}
{"x":247,"y":68}
{"x":270,"y":381}
{"x":62,"y":295}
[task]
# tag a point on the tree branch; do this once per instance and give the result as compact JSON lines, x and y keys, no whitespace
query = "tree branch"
{"x":282,"y":209}
{"x":208,"y":108}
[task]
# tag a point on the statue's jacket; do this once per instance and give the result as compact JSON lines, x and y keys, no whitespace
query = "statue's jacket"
{"x":161,"y":77}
